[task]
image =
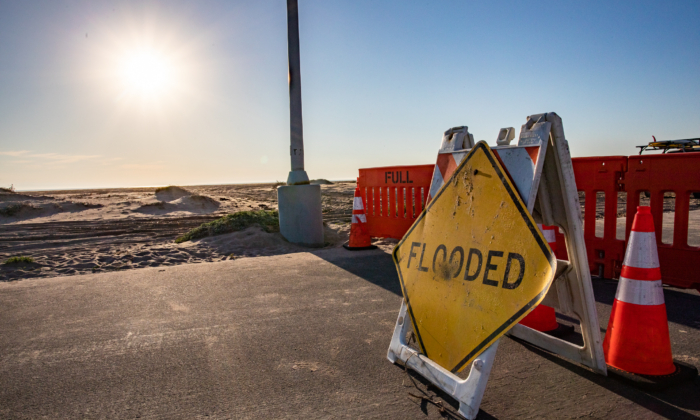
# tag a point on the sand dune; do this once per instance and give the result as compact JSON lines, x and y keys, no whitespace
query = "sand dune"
{"x":18,"y":207}
{"x":200,"y":204}
{"x":171,"y":193}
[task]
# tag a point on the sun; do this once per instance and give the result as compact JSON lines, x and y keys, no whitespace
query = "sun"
{"x":147,"y":74}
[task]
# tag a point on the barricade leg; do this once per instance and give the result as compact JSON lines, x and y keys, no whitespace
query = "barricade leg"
{"x":572,"y":291}
{"x":468,"y":392}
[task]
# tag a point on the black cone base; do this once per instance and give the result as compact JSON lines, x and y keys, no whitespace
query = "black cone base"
{"x":684,"y":372}
{"x":358,"y":248}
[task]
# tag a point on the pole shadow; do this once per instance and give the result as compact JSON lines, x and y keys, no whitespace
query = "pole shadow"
{"x":376,"y":267}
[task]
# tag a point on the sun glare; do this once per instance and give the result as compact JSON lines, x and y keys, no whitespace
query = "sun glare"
{"x":147,"y":74}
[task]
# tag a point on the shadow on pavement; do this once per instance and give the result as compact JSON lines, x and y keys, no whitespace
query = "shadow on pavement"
{"x":374,"y":266}
{"x":681,"y":307}
{"x":663,"y":403}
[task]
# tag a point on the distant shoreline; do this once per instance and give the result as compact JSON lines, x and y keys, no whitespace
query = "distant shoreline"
{"x":150,"y":187}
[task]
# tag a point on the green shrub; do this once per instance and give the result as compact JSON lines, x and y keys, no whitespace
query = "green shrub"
{"x":266,"y":219}
{"x":11,"y":210}
{"x":19,"y":260}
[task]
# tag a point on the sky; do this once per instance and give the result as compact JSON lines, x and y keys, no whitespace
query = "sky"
{"x":147,"y":93}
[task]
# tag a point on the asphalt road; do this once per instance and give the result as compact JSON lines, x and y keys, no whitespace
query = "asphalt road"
{"x":291,"y":336}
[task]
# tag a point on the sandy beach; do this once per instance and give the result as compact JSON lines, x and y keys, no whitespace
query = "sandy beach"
{"x":86,"y":231}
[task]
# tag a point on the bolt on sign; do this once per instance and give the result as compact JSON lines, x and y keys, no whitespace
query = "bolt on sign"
{"x":473,"y":264}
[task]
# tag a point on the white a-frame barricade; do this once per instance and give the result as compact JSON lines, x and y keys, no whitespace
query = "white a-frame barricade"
{"x":540,"y":169}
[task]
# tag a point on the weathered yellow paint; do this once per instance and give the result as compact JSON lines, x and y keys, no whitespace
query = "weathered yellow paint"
{"x":456,"y":314}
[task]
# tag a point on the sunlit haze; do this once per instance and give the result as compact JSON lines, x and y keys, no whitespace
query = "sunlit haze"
{"x":147,"y":74}
{"x":120,"y":93}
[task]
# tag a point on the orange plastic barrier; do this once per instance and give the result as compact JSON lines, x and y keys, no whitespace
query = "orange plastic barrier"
{"x":651,"y":175}
{"x":394,"y":197}
{"x":595,"y":175}
{"x":678,"y":173}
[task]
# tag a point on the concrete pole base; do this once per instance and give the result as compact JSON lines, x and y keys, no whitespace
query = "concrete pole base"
{"x":301,"y":221}
{"x":298,"y":178}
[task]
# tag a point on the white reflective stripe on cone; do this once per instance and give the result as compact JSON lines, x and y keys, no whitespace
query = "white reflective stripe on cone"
{"x":641,"y":250}
{"x":640,"y":292}
{"x":357,"y":204}
{"x":357,"y":218}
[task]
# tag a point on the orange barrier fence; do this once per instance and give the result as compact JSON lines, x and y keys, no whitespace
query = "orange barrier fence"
{"x":394,"y":196}
{"x":642,"y":180}
{"x":655,"y":175}
{"x":596,"y":177}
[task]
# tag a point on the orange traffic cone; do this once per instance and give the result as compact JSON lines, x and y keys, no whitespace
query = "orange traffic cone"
{"x":543,"y":318}
{"x":359,"y":236}
{"x":637,"y":340}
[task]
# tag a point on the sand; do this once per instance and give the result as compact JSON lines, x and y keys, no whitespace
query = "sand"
{"x":85,"y":231}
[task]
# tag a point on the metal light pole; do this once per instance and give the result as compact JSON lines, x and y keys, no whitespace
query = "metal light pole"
{"x":299,"y":202}
{"x":298,"y":175}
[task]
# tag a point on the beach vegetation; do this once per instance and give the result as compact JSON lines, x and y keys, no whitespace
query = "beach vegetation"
{"x":320,"y":181}
{"x":19,"y":260}
{"x":268,"y":220}
{"x":12,"y":209}
{"x":159,"y":189}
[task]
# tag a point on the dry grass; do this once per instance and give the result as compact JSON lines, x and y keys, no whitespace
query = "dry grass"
{"x":266,"y":219}
{"x":19,"y":260}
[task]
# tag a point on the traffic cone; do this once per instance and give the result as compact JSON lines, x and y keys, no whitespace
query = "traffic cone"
{"x":543,"y":318}
{"x":637,"y":338}
{"x":359,"y":236}
{"x":637,"y":345}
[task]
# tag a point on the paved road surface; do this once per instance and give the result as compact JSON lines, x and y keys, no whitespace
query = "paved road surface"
{"x":292,"y":336}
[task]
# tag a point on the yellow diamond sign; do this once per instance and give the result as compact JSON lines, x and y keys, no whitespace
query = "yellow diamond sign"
{"x":473,"y":264}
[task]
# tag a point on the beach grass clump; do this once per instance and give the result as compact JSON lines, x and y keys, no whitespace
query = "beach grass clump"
{"x":268,"y":220}
{"x":12,"y":209}
{"x":19,"y":260}
{"x":320,"y":181}
{"x":170,"y":188}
